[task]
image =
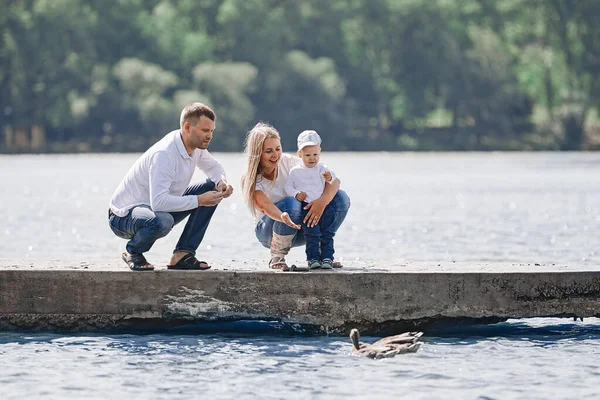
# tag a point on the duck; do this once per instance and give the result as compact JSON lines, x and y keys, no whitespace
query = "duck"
{"x":387,"y":347}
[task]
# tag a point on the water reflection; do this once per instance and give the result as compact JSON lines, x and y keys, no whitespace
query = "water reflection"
{"x":504,"y":207}
{"x":510,"y":359}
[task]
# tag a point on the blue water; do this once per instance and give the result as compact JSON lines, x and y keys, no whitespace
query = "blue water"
{"x":537,"y":358}
{"x":491,"y":207}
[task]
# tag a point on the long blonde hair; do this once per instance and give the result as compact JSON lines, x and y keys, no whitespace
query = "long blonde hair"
{"x":253,"y":147}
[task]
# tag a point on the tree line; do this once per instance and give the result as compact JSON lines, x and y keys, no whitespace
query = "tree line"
{"x":92,"y":75}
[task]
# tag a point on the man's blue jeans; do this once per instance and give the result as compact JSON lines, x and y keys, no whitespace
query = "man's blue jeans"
{"x":336,"y":212}
{"x":143,"y":227}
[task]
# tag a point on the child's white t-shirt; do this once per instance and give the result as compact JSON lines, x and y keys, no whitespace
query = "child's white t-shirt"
{"x":308,"y":180}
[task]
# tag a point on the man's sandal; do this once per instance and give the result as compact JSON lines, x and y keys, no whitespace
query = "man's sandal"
{"x":278,"y":262}
{"x":137,"y":262}
{"x":190,"y":263}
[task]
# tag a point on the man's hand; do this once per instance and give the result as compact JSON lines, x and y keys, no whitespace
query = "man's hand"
{"x":327,"y":176}
{"x":301,"y":196}
{"x":315,"y":210}
{"x":285,"y":217}
{"x":210,"y":199}
{"x":224,"y":188}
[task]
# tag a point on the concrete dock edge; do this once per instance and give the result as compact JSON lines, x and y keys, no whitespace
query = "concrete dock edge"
{"x":376,"y":301}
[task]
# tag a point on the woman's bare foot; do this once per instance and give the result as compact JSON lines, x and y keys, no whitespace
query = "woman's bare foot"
{"x":278,"y":262}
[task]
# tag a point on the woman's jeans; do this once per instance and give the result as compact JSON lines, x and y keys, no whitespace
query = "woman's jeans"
{"x":333,"y":216}
{"x":143,"y":227}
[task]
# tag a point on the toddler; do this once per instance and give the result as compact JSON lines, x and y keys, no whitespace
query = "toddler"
{"x":306,"y":183}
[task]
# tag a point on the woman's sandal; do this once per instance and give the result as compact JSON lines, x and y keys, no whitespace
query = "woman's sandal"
{"x":278,"y":262}
{"x":137,"y":262}
{"x":190,"y":263}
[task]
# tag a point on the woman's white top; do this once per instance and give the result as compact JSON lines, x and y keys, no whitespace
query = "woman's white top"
{"x":275,"y":190}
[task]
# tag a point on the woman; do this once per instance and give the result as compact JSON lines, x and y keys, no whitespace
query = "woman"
{"x":279,"y":216}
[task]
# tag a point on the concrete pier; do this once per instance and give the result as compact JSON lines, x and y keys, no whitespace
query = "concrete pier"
{"x":60,"y":296}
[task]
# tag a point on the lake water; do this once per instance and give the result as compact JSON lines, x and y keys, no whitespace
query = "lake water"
{"x":492,"y":207}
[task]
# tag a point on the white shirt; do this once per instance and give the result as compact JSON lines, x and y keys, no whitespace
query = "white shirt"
{"x":161,"y":175}
{"x":275,"y":190}
{"x":309,"y":180}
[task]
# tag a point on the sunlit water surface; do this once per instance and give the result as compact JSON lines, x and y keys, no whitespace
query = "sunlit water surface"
{"x":518,"y":359}
{"x":520,"y":208}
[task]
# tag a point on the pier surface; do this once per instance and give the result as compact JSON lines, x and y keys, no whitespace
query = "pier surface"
{"x":73,"y":296}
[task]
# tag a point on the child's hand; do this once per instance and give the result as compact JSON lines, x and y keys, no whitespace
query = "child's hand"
{"x":301,"y":196}
{"x":327,"y":176}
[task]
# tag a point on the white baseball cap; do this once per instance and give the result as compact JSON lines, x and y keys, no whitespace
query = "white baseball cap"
{"x":308,"y":138}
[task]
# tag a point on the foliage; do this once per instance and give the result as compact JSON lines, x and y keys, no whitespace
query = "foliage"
{"x":367,"y":74}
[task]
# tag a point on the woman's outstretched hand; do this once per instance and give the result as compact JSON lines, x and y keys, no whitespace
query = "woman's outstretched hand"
{"x":285,"y":217}
{"x":315,"y":210}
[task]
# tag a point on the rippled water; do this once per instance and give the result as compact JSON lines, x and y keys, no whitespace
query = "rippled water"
{"x":506,"y":207}
{"x":503,"y":207}
{"x":517,"y":359}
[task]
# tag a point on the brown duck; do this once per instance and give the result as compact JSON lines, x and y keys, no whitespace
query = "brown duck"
{"x":406,"y":342}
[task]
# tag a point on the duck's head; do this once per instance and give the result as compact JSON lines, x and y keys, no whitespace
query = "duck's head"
{"x":355,"y":336}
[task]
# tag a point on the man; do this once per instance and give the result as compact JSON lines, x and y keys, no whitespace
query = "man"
{"x":154,"y":195}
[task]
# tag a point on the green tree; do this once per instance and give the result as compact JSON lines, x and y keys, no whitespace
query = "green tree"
{"x":305,"y":93}
{"x":143,"y":86}
{"x":46,"y":74}
{"x":228,"y":85}
{"x":560,"y":64}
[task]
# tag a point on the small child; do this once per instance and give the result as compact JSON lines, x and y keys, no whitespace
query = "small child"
{"x":306,"y":183}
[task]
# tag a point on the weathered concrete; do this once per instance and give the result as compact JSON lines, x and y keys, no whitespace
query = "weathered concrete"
{"x":66,"y":296}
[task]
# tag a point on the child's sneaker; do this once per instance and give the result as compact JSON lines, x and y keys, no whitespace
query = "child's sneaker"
{"x":314,"y":264}
{"x":327,"y":263}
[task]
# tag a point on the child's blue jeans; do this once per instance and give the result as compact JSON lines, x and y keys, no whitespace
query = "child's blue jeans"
{"x":336,"y":212}
{"x":319,"y":238}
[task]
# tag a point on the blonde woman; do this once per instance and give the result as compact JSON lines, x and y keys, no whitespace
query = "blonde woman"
{"x":278,"y":215}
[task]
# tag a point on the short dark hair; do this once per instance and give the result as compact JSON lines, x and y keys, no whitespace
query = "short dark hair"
{"x":192,"y":113}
